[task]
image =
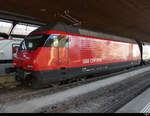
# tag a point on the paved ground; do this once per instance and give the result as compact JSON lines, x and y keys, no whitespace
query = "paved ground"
{"x":141,"y":104}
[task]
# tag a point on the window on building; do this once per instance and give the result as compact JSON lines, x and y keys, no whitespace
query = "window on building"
{"x":23,"y":29}
{"x":5,"y":26}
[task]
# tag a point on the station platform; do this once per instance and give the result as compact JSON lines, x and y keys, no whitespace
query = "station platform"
{"x":141,"y":104}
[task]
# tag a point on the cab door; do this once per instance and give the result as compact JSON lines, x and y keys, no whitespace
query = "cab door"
{"x":63,"y":50}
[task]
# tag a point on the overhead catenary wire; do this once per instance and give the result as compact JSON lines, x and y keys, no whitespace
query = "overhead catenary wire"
{"x":66,"y":15}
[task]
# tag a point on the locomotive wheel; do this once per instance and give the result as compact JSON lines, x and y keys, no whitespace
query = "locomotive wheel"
{"x":17,"y":78}
{"x":21,"y":81}
{"x":32,"y":82}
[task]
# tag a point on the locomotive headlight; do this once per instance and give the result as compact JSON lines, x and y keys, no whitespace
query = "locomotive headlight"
{"x":29,"y":66}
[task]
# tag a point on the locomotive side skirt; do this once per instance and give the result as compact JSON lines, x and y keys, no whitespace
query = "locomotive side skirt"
{"x":47,"y":76}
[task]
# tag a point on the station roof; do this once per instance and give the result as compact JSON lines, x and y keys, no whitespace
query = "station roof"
{"x":128,"y":18}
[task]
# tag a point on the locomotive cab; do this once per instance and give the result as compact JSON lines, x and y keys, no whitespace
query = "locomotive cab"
{"x":40,"y":52}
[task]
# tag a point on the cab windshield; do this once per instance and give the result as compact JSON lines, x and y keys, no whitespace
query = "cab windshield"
{"x":32,"y":42}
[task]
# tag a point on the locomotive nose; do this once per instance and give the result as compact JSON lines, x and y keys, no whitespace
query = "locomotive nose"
{"x":26,"y":60}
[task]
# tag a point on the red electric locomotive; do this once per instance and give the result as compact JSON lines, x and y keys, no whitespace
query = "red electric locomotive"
{"x":57,"y":52}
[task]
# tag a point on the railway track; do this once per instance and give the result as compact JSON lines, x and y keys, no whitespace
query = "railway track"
{"x":105,"y":100}
{"x":26,"y":93}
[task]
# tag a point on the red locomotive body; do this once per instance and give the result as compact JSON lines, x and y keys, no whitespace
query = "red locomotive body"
{"x":53,"y":54}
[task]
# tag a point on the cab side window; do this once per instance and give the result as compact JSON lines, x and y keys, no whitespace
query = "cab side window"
{"x":56,"y":40}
